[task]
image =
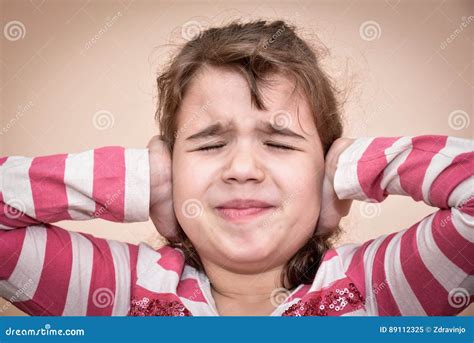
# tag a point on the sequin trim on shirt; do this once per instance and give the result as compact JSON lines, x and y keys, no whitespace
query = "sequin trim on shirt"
{"x":331,"y":303}
{"x":156,"y":307}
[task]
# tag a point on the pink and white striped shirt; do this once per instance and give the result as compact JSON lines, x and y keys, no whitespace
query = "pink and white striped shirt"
{"x":426,"y":269}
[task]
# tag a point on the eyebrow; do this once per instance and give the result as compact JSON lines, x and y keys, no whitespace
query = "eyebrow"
{"x":210,"y":131}
{"x":218,"y":129}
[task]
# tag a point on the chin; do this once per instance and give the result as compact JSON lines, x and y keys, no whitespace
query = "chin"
{"x":250,"y":252}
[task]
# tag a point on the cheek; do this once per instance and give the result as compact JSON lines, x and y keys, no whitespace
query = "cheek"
{"x":185,"y":190}
{"x":190,"y":183}
{"x":191,"y":177}
{"x":302,"y":178}
{"x":303,"y":186}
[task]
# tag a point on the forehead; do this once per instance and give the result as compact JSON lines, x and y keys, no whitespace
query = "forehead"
{"x":222,"y":94}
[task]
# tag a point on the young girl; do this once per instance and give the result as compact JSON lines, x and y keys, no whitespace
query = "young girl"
{"x":249,"y":181}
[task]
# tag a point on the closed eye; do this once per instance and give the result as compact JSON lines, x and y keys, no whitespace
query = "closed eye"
{"x":272,"y":145}
{"x":279,"y":146}
{"x":211,"y":147}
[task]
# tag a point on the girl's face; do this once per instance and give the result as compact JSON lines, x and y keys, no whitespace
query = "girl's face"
{"x":247,"y":163}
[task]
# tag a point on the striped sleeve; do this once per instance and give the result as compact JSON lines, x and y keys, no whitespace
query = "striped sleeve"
{"x":428,"y":268}
{"x":46,"y":270}
{"x":110,"y":183}
{"x":49,"y":271}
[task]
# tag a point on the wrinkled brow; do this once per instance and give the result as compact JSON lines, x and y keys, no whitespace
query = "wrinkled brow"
{"x":218,"y":129}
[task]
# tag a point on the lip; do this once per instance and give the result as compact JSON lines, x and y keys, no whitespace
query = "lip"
{"x":245,"y":203}
{"x":238,"y":210}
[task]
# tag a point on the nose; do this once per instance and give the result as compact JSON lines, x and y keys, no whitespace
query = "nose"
{"x":243,"y":166}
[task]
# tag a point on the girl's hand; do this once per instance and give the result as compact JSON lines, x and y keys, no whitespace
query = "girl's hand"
{"x":161,"y":194}
{"x":332,"y":208}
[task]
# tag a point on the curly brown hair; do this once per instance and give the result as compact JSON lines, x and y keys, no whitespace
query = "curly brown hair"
{"x":256,"y":49}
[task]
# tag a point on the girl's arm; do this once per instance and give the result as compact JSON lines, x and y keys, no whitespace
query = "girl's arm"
{"x":46,"y":270}
{"x":111,"y":183}
{"x":427,"y":269}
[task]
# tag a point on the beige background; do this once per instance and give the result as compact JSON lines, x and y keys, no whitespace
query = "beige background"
{"x":407,"y":65}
